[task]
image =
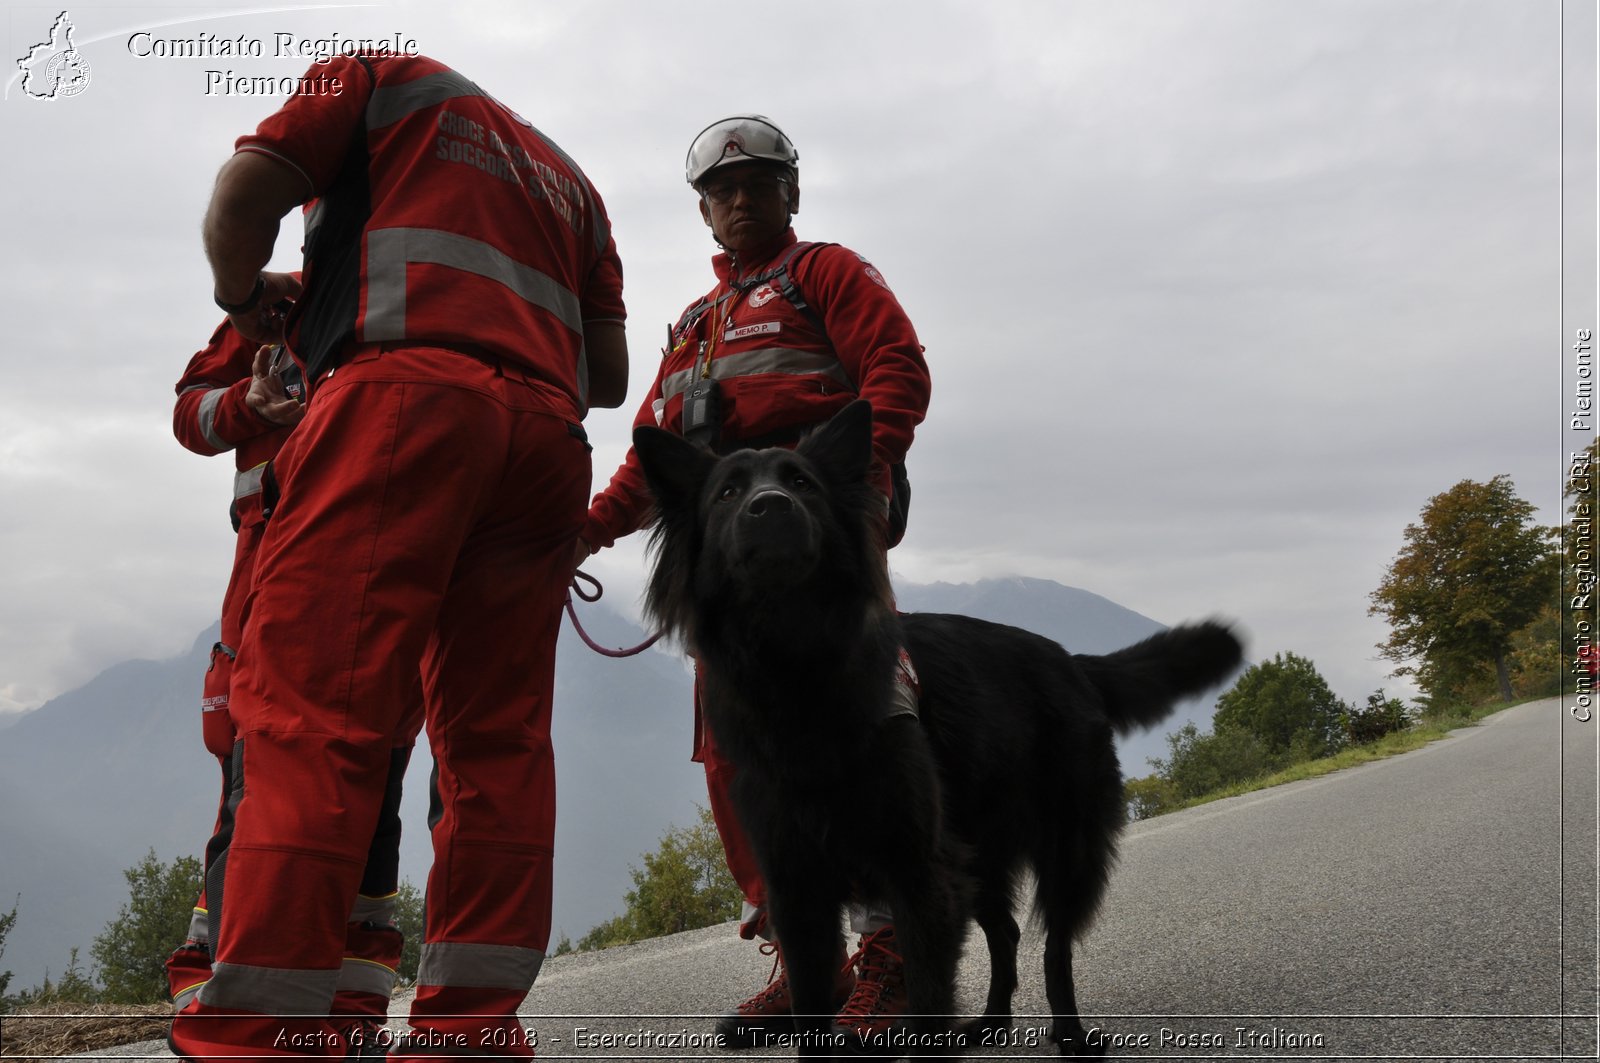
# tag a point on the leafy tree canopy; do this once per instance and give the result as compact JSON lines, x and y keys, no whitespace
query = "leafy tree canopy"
{"x":1474,"y":570}
{"x":1202,"y":763}
{"x":1287,"y":705}
{"x":685,"y":884}
{"x":130,"y":954}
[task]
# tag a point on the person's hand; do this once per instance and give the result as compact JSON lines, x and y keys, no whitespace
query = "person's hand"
{"x":580,"y":554}
{"x":264,"y":322}
{"x":267,"y":397}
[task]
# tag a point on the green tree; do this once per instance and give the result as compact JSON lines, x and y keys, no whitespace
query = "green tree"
{"x":7,"y":921}
{"x":131,"y":952}
{"x":410,"y":917}
{"x":1149,"y":796}
{"x":614,"y":931}
{"x":1474,"y":571}
{"x":1287,"y":705}
{"x":1537,"y":660}
{"x":1382,"y":716}
{"x":1201,"y":763}
{"x":75,"y":987}
{"x":685,"y":884}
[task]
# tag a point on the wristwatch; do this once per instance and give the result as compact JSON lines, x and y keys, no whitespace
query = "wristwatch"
{"x":250,"y":302}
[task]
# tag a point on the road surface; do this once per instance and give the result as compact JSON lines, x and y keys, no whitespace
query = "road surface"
{"x":1436,"y":905}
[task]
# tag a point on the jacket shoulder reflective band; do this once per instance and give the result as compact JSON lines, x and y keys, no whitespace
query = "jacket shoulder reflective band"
{"x":363,"y":246}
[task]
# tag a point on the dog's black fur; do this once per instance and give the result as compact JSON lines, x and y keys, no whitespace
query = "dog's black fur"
{"x":768,"y":568}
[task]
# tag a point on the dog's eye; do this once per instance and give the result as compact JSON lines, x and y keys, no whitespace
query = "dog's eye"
{"x":800,"y":482}
{"x":728,"y":493}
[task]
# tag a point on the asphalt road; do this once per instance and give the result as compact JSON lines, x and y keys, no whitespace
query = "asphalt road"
{"x":1438,"y":905}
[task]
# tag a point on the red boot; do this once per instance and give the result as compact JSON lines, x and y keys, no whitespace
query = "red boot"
{"x":877,"y":1005}
{"x":769,"y":1013}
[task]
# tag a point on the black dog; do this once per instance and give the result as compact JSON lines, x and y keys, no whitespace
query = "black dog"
{"x":768,"y":568}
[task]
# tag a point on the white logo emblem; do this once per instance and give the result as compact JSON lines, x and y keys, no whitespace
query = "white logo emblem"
{"x":763,"y":295}
{"x":872,"y":273}
{"x":54,"y":69}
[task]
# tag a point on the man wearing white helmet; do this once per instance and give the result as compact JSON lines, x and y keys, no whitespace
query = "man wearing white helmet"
{"x":790,"y":334}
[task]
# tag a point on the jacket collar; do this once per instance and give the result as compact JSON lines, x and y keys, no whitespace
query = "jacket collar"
{"x":728,"y":268}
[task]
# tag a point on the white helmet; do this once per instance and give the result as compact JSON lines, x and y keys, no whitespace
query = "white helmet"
{"x":741,"y":138}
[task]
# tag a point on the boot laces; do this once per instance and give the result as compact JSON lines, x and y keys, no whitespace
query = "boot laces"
{"x":777,"y":981}
{"x":879,"y":969}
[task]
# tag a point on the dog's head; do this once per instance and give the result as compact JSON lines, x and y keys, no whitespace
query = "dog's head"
{"x":759,"y":523}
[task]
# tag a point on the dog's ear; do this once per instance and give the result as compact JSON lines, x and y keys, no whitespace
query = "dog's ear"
{"x":674,"y":467}
{"x":842,"y":447}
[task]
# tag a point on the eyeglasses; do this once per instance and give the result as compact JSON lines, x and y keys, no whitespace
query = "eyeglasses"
{"x":721,"y":193}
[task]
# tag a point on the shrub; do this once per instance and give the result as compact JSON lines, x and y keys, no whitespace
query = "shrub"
{"x":1381,"y":716}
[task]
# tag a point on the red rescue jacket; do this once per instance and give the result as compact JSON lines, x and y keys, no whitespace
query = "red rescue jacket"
{"x":443,"y":219}
{"x":781,"y":369}
{"x":211,"y":417}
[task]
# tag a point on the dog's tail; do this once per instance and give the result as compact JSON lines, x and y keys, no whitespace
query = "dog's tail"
{"x":1143,"y":683}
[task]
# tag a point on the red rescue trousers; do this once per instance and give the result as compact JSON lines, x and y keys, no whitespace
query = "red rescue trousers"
{"x":430,"y":503}
{"x":735,"y":843}
{"x":373,"y":945}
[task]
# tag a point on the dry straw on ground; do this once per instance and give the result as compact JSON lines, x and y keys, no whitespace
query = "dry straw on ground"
{"x":56,"y":1030}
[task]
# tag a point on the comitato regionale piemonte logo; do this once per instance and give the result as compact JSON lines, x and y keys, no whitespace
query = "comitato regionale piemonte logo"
{"x":54,"y":69}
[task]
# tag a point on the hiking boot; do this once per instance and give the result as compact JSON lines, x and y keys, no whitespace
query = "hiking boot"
{"x":877,"y":1005}
{"x":769,"y":1013}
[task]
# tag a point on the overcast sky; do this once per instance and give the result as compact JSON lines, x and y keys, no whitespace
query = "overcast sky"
{"x":1215,"y":294}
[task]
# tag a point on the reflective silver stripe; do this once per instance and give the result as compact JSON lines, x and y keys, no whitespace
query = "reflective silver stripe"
{"x":390,"y":251}
{"x":248,"y":482}
{"x":759,"y":361}
{"x":902,"y":699}
{"x":314,"y":218}
{"x":200,"y":927}
{"x":366,"y":976}
{"x":208,"y":418}
{"x":379,"y":910}
{"x":456,"y":963}
{"x":391,"y":103}
{"x":750,"y":915}
{"x":269,"y":990}
{"x":181,"y":998}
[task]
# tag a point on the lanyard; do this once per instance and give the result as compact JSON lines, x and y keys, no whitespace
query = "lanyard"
{"x":720,"y":319}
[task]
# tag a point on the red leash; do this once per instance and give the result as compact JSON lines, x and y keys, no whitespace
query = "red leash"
{"x":595,"y":597}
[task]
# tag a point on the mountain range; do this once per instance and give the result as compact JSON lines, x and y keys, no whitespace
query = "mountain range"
{"x":94,"y":778}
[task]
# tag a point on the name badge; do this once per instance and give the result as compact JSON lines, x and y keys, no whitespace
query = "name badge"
{"x":764,"y":328}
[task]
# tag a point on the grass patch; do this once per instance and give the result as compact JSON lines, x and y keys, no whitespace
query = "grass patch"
{"x":54,"y":1030}
{"x":1419,"y":734}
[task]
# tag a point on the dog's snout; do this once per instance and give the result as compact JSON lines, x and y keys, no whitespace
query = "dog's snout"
{"x":770,"y":504}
